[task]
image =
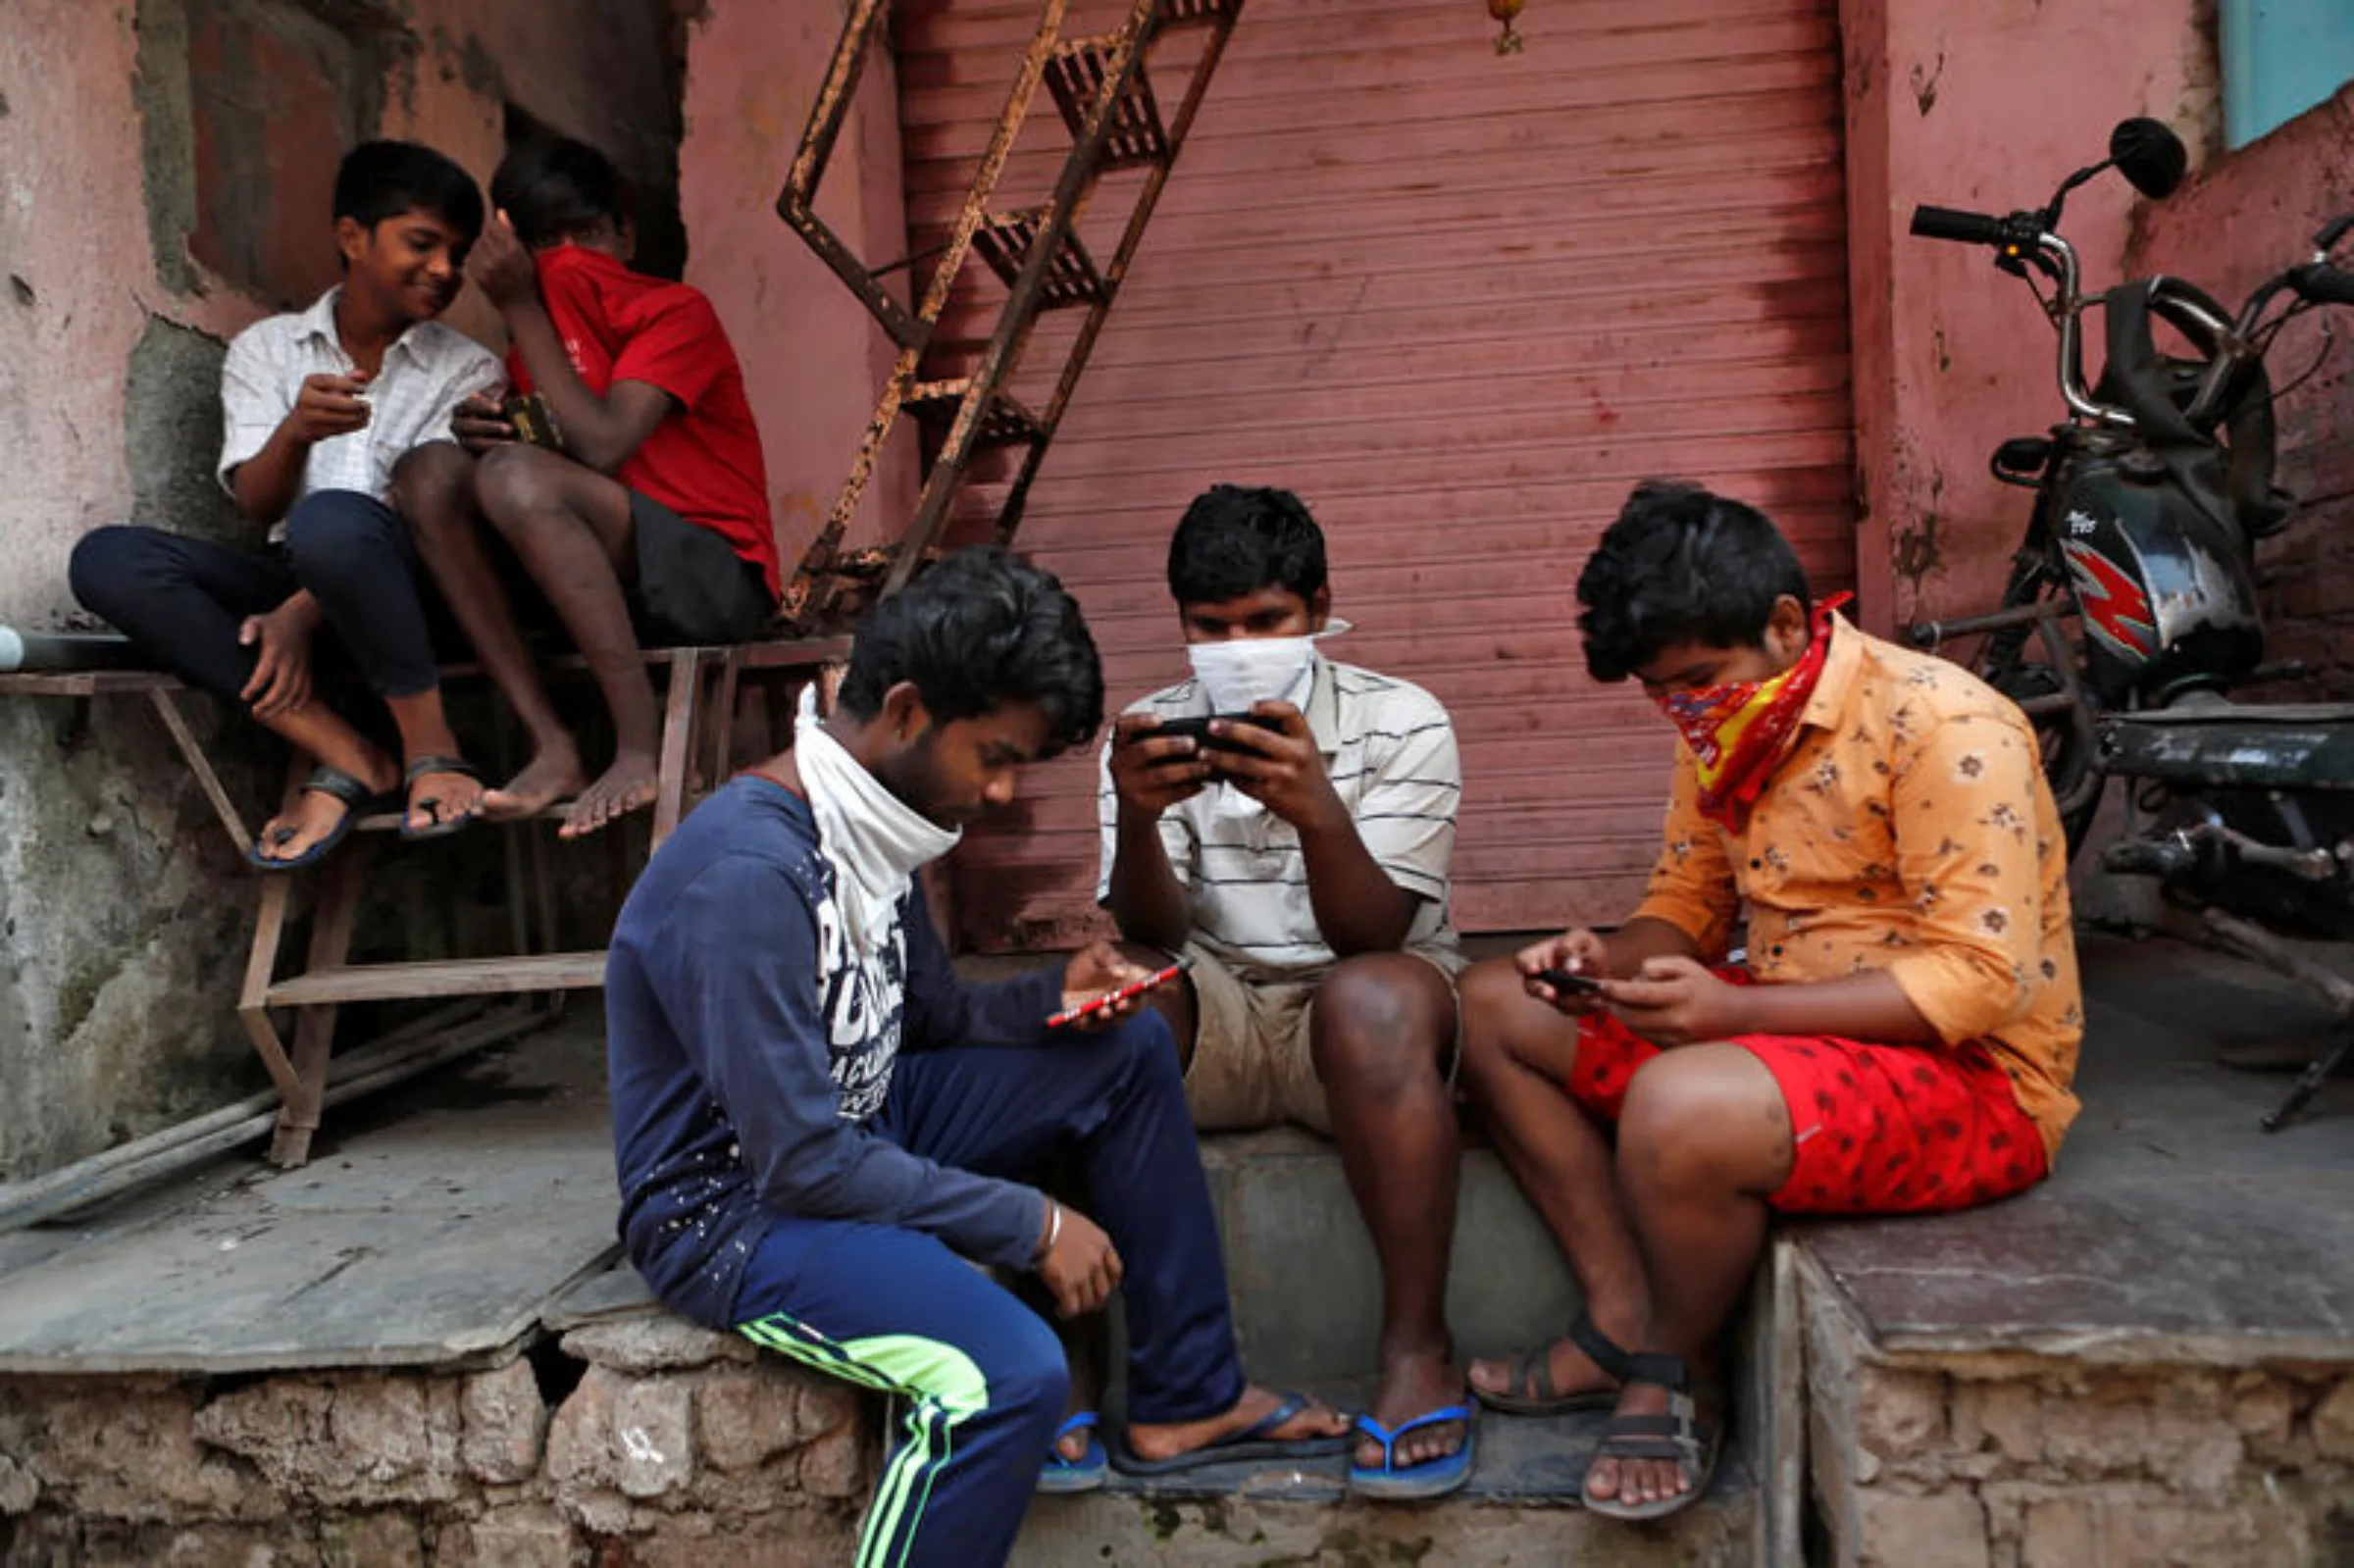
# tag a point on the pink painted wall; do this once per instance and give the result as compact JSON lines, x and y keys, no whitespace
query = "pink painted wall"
{"x":1985,"y":106}
{"x":80,"y":287}
{"x":2248,"y":214}
{"x":813,"y":359}
{"x":122,"y":913}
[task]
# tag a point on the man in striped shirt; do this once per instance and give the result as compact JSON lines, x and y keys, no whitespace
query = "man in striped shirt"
{"x":1285,"y":822}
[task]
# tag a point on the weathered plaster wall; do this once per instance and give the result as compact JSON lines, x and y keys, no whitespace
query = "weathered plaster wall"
{"x":813,"y":359}
{"x":121,"y":912}
{"x":2246,"y":217}
{"x":1984,"y":107}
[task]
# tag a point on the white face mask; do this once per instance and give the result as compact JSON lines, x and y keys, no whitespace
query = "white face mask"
{"x":1242,"y":671}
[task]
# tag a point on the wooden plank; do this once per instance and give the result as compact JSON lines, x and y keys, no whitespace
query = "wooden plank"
{"x":191,"y":751}
{"x":452,"y":976}
{"x":85,"y":682}
{"x":678,"y":735}
{"x":315,"y":1029}
{"x":414,"y":1248}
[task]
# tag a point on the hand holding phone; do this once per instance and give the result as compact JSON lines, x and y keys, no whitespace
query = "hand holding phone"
{"x":1196,"y":727}
{"x":1097,"y":1006}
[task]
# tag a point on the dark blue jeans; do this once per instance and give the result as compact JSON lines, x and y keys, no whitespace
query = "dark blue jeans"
{"x":981,"y":1377}
{"x":183,"y":600}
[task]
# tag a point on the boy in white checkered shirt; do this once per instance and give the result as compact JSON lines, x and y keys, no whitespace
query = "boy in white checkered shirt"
{"x":1299,"y":859}
{"x":319,"y":406}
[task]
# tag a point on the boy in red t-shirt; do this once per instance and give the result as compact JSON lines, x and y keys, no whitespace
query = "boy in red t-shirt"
{"x":650,"y":510}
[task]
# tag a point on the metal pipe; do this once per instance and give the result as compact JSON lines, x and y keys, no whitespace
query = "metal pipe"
{"x":381,"y":1065}
{"x":36,"y":652}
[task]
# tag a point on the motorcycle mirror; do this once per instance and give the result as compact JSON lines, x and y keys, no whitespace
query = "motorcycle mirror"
{"x":2149,"y":156}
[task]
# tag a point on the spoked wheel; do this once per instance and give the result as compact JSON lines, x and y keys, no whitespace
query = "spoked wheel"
{"x":2014,"y":663}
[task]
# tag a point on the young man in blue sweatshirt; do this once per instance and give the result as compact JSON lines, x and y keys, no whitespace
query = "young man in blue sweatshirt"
{"x":818,"y":1125}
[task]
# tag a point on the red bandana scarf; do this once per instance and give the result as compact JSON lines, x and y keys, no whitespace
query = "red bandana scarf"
{"x":1740,"y":732}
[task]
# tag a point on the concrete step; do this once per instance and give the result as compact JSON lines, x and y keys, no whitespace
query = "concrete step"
{"x":1514,"y":1511}
{"x":1307,"y":1285}
{"x":1307,"y":1310}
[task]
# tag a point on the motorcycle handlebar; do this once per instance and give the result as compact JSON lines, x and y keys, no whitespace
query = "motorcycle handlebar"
{"x":1948,"y":223}
{"x":2323,"y":284}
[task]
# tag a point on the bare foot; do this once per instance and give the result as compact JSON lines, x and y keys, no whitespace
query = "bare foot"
{"x":554,"y":772}
{"x":438,"y":799}
{"x":1636,"y":1481}
{"x":1415,"y":1383}
{"x":1166,"y":1442}
{"x":628,"y":786}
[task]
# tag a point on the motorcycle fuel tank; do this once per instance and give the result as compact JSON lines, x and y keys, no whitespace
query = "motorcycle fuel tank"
{"x":2168,"y":600}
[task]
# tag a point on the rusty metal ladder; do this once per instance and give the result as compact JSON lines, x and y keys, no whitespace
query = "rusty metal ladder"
{"x":1102,"y":86}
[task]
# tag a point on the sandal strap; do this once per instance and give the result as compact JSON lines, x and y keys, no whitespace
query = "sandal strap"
{"x":1600,"y":1348}
{"x":1659,"y":1370}
{"x":1390,"y":1437}
{"x":425,"y":766}
{"x":337,"y":784}
{"x":1532,"y":1370}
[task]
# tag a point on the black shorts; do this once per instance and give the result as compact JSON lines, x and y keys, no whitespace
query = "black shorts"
{"x":692,"y":588}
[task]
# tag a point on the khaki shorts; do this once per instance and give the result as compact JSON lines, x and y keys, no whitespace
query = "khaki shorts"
{"x":1251,"y":1064}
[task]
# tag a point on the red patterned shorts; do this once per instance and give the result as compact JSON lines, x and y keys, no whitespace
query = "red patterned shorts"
{"x":1880,"y":1129}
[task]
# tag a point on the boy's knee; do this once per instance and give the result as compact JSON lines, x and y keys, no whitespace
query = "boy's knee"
{"x":1033,"y":1376}
{"x":431,"y":482}
{"x":328,"y":529}
{"x":1695,"y":1114}
{"x":1380,"y":1018}
{"x":513,"y":481}
{"x":1489,"y":988}
{"x":1143,"y":1042}
{"x":103,"y":563}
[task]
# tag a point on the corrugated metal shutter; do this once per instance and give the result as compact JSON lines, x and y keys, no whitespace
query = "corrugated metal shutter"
{"x":1460,"y":303}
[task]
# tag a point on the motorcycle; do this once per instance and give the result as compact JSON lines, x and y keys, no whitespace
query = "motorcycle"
{"x":2132,"y":615}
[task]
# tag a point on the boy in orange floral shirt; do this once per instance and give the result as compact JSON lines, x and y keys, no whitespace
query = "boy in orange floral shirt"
{"x":1901,"y":1038}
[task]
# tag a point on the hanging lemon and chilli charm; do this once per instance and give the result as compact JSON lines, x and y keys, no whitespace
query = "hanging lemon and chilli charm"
{"x":1508,"y":42}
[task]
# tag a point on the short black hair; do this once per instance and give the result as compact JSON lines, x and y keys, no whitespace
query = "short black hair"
{"x":381,"y":180}
{"x":1237,"y":538}
{"x":554,"y":188}
{"x":978,"y":630}
{"x":1682,"y":565}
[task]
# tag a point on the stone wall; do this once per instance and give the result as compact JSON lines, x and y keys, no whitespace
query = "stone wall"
{"x":2018,"y":1461}
{"x":643,"y":1441}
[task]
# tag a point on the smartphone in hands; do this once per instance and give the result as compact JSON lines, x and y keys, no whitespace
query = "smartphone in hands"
{"x":1197,"y":728}
{"x":1112,"y":998}
{"x":1565,"y":983}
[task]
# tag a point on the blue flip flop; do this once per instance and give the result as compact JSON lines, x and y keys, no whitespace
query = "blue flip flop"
{"x":1432,"y":1477}
{"x":334,"y":782}
{"x":1251,"y":1443}
{"x":1087,"y":1473}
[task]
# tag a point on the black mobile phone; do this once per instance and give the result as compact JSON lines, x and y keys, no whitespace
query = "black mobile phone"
{"x":1566,"y":984}
{"x":1197,"y":726}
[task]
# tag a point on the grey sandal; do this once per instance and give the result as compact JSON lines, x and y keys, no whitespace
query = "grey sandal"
{"x":1533,"y":1370}
{"x":424,"y":768}
{"x":1678,"y":1436}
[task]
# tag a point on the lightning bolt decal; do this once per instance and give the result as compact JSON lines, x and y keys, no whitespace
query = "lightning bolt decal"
{"x":2113,"y":604}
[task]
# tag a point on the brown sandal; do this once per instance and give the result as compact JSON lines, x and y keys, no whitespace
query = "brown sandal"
{"x":1678,"y":1436}
{"x":1533,"y":1370}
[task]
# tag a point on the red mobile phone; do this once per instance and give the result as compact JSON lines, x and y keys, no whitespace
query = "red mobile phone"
{"x":1112,"y":998}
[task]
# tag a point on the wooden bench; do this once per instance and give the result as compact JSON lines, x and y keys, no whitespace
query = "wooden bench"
{"x":703,"y":688}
